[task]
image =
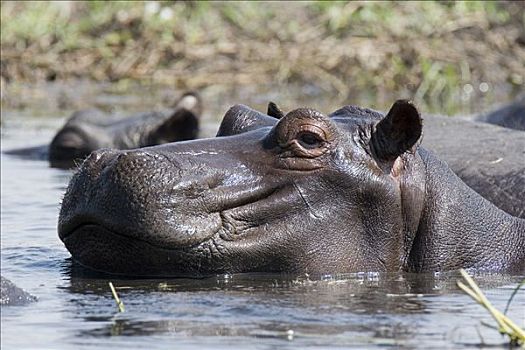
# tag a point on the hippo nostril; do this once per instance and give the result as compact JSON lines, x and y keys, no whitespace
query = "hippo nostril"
{"x":129,"y":166}
{"x":134,"y":159}
{"x":100,"y":156}
{"x":98,"y":160}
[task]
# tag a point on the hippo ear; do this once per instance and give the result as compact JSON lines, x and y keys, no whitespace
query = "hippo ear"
{"x":398,"y":132}
{"x":240,"y":118}
{"x":274,"y":111}
{"x":190,"y":101}
{"x":181,"y":125}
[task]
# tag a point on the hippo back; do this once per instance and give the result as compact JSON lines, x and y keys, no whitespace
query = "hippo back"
{"x":490,"y":159}
{"x":510,"y":116}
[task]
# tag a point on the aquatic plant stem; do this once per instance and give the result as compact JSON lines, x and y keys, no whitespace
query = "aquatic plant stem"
{"x":512,"y":296}
{"x":506,"y":325}
{"x":119,"y":302}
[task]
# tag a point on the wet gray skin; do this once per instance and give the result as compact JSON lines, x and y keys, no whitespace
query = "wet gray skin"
{"x":11,"y":295}
{"x":488,"y":158}
{"x":511,"y":115}
{"x":92,"y":129}
{"x":304,"y":193}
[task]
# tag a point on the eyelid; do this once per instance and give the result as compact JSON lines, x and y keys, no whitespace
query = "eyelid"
{"x":305,"y":128}
{"x":314,"y":129}
{"x":309,"y":140}
{"x":301,"y":151}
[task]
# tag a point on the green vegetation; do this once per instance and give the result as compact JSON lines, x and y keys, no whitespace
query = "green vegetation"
{"x":435,"y":52}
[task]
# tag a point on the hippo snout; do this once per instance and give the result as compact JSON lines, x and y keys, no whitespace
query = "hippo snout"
{"x":134,"y":194}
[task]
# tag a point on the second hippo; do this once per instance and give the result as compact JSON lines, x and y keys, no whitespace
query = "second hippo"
{"x":91,"y":129}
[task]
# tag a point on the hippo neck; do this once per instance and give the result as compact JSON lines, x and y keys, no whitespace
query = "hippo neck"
{"x":461,"y":229}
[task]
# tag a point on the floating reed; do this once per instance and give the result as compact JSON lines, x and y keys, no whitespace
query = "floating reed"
{"x":119,"y":302}
{"x":505,"y":324}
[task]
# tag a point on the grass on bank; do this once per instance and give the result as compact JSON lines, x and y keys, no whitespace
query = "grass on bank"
{"x":431,"y":51}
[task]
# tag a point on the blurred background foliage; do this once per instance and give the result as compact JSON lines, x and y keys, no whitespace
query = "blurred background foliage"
{"x":442,"y":54}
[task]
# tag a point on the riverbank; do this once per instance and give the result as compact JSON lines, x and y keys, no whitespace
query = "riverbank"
{"x":440,"y":54}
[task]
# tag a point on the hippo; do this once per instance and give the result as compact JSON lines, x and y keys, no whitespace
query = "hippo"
{"x":302,"y":193}
{"x":490,"y":159}
{"x":511,"y":115}
{"x":88,"y":130}
{"x":11,"y":295}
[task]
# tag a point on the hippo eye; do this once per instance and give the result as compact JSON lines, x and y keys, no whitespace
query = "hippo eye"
{"x":306,"y":140}
{"x":309,"y":140}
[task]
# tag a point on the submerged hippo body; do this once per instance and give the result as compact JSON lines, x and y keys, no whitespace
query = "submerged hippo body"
{"x":302,"y":193}
{"x":88,"y":130}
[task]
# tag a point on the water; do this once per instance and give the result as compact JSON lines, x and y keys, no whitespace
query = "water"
{"x":75,"y":309}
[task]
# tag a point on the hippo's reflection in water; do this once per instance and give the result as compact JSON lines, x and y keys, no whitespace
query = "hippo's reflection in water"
{"x":352,"y":309}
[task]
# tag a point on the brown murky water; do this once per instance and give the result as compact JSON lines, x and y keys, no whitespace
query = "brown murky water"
{"x":76,"y":310}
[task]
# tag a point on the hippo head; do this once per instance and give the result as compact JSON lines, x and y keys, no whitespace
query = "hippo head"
{"x":89,"y":130}
{"x":300,"y":192}
{"x":78,"y":138}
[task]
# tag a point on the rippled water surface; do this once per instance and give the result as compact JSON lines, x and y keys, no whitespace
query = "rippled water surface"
{"x":75,"y":309}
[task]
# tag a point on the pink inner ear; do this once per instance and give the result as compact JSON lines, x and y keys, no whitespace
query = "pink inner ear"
{"x":397,"y":168}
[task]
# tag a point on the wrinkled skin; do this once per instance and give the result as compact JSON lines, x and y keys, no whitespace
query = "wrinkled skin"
{"x":488,"y":158}
{"x":11,"y":295}
{"x":89,"y":130}
{"x":300,"y":192}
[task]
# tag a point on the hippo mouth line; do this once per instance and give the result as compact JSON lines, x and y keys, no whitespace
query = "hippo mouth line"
{"x":91,"y":226}
{"x":243,"y":202}
{"x":91,"y":246}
